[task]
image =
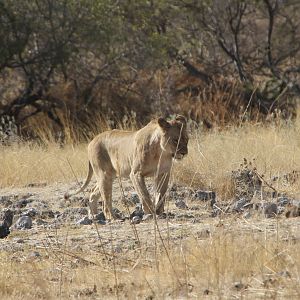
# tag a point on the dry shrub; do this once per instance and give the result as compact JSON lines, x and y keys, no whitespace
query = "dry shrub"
{"x":226,"y":101}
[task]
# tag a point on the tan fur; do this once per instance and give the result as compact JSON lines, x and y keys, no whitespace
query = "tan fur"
{"x":147,"y":152}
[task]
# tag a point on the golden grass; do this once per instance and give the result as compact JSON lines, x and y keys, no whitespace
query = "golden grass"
{"x":212,"y":157}
{"x":255,"y":265}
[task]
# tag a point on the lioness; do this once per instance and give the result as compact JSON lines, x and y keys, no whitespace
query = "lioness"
{"x":147,"y":152}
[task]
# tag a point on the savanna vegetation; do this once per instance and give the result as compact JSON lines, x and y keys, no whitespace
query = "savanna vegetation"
{"x":70,"y":69}
{"x":71,"y":65}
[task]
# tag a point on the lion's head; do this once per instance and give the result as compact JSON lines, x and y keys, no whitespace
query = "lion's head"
{"x":175,"y":138}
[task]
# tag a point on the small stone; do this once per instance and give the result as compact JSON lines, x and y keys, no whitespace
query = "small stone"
{"x":204,"y":195}
{"x":31,"y":212}
{"x":239,"y":286}
{"x":117,"y":213}
{"x":84,"y":221}
{"x":283,"y":201}
{"x":181,"y":204}
{"x":134,"y":198}
{"x":138,"y":212}
{"x":135,"y":220}
{"x":240,"y":204}
{"x":292,"y":211}
{"x":270,"y":210}
{"x":24,"y":222}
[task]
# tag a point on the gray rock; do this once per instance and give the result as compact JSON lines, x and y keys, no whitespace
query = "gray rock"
{"x":21,"y":203}
{"x":31,"y":212}
{"x":99,"y":217}
{"x":270,"y":210}
{"x":134,"y":198}
{"x":204,"y":195}
{"x":240,"y":204}
{"x":5,"y":201}
{"x":24,"y":222}
{"x":136,"y":220}
{"x":181,"y":204}
{"x":138,"y":212}
{"x":117,"y":213}
{"x":283,"y":201}
{"x":84,"y":221}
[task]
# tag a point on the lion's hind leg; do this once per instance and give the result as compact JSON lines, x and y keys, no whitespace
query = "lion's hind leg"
{"x":104,"y":185}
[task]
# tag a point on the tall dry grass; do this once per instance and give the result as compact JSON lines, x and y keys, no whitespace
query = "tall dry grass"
{"x":274,"y":149}
{"x":228,"y":264}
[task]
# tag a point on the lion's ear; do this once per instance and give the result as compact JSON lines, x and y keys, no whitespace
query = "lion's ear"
{"x":163,"y":123}
{"x":181,"y":119}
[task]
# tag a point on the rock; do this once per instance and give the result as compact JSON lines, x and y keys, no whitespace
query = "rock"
{"x":31,"y":212}
{"x":292,"y":211}
{"x":84,"y":221}
{"x":7,"y":217}
{"x":24,"y":222}
{"x":168,"y":215}
{"x":100,"y":217}
{"x":4,"y":231}
{"x":117,"y":213}
{"x":270,"y":210}
{"x":138,"y":212}
{"x":134,"y":198}
{"x":5,"y":201}
{"x":240,"y":204}
{"x":283,"y":201}
{"x":204,"y":195}
{"x":181,"y":204}
{"x":20,"y":203}
{"x":136,"y":220}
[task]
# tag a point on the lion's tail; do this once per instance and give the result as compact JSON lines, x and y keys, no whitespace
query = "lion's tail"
{"x":87,"y":181}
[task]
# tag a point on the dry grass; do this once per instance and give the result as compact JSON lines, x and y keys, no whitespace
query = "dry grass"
{"x":226,"y":264}
{"x":212,"y":157}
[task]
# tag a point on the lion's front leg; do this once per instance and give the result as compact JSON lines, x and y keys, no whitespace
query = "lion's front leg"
{"x":161,"y":186}
{"x":93,"y":202}
{"x":141,"y":189}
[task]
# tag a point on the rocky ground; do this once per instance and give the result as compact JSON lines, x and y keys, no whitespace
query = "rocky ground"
{"x":40,"y":209}
{"x":39,"y":223}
